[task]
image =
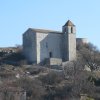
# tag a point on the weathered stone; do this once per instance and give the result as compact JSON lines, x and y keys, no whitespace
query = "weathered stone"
{"x":39,"y":44}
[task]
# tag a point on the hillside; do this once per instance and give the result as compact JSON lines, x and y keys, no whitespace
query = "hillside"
{"x":69,"y":82}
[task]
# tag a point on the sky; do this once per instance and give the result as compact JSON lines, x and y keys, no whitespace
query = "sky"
{"x":16,"y":16}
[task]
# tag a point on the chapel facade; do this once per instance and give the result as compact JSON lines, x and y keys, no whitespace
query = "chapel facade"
{"x":41,"y":45}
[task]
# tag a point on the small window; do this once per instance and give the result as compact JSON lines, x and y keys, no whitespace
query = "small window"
{"x":71,"y":29}
{"x":50,"y":54}
{"x":46,"y":45}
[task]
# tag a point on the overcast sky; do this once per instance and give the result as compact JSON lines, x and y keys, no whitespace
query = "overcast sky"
{"x":16,"y":16}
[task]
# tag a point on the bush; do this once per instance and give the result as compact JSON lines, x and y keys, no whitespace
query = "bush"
{"x":33,"y":88}
{"x":52,"y":78}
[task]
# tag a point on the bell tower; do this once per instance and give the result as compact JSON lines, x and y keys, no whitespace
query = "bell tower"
{"x":69,"y":41}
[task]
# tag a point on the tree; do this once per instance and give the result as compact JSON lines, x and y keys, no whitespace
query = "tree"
{"x":78,"y":78}
{"x":89,"y":55}
{"x":52,"y":78}
{"x":33,"y":88}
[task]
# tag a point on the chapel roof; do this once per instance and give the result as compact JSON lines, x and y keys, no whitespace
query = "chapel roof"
{"x":69,"y":23}
{"x":44,"y":31}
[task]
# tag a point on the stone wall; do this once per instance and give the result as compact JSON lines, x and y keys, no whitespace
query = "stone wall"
{"x":72,"y":47}
{"x":48,"y":44}
{"x":29,"y":45}
{"x":39,"y":45}
{"x":69,"y":43}
{"x":53,"y":61}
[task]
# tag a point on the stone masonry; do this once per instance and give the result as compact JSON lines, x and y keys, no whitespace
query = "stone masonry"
{"x":40,"y":44}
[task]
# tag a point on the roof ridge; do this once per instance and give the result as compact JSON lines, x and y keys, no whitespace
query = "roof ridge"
{"x":44,"y":30}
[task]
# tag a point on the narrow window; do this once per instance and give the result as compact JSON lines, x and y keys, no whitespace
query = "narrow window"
{"x":46,"y":45}
{"x":71,"y":29}
{"x":50,"y":54}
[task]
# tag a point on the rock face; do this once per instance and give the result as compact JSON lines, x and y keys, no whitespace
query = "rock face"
{"x":40,"y":44}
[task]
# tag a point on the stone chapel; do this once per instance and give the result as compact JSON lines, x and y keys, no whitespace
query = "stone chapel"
{"x":54,"y":47}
